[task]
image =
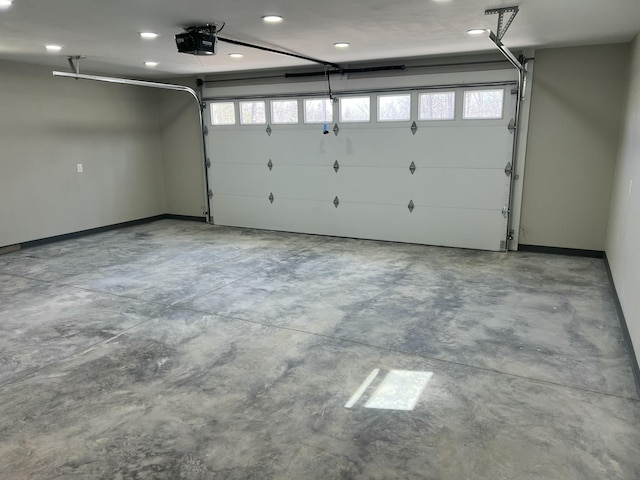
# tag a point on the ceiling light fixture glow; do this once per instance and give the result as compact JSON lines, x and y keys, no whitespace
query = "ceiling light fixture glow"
{"x":53,"y":48}
{"x":477,"y":31}
{"x":5,"y":3}
{"x":151,"y":64}
{"x":148,"y":35}
{"x":236,"y":55}
{"x":272,"y":19}
{"x":341,"y":44}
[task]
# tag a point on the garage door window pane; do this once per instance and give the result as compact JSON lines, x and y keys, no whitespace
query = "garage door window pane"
{"x":483,"y":104}
{"x":355,"y":109}
{"x":284,"y":111}
{"x":223,"y":113}
{"x":315,"y":108}
{"x":437,"y":106}
{"x":394,"y":108}
{"x":253,"y":113}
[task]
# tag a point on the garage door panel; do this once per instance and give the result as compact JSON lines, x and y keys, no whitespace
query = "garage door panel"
{"x":463,"y":188}
{"x":291,"y":215}
{"x":453,"y":227}
{"x":239,"y":145}
{"x":460,"y":188}
{"x":362,"y":148}
{"x":428,"y":225}
{"x":304,"y":147}
{"x":454,"y":147}
{"x":304,"y":182}
{"x":241,"y":179}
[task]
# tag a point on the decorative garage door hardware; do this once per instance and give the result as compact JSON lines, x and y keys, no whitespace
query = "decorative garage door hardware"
{"x":336,"y":129}
{"x":508,"y":170}
{"x":271,"y":197}
{"x":411,"y":206}
{"x":336,"y":202}
{"x":336,"y":166}
{"x":414,"y":128}
{"x":270,"y":164}
{"x":268,"y":130}
{"x":412,"y":168}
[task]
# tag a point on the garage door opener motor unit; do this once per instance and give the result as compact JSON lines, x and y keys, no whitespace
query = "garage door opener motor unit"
{"x":198,"y":40}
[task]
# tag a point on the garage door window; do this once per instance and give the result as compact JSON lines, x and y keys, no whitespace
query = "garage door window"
{"x":223,"y":113}
{"x":394,"y":108}
{"x":316,"y":108}
{"x":284,"y":111}
{"x":355,"y":109}
{"x":483,"y":104}
{"x":253,"y":113}
{"x":437,"y":106}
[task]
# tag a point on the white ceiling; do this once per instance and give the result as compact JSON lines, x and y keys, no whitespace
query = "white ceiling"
{"x":107,"y":31}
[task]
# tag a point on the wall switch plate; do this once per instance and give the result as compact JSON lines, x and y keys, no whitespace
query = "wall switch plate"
{"x":79,"y":168}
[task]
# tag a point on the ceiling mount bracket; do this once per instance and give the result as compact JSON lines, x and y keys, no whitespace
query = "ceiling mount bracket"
{"x":74,"y":63}
{"x":502,"y":26}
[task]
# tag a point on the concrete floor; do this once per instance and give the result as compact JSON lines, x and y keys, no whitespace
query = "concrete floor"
{"x":178,"y":350}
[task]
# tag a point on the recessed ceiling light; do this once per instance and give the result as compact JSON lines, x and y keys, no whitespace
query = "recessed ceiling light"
{"x":53,"y":48}
{"x":341,"y":44}
{"x":272,"y":19}
{"x":477,"y":31}
{"x":5,"y":3}
{"x":151,"y":64}
{"x":148,"y":35}
{"x":236,"y":55}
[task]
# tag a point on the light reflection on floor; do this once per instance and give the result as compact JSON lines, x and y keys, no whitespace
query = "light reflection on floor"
{"x":400,"y":390}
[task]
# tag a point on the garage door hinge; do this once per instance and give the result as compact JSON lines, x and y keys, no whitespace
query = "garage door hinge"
{"x":268,"y":130}
{"x":336,"y":129}
{"x":505,"y":211}
{"x":210,"y":193}
{"x":271,"y":197}
{"x":503,"y":244}
{"x":207,"y":163}
{"x":508,"y":170}
{"x":270,"y":164}
{"x":412,"y":168}
{"x":203,"y":105}
{"x":414,"y":128}
{"x":411,"y":206}
{"x":336,"y":202}
{"x":336,"y":166}
{"x":205,"y":130}
{"x":512,"y":125}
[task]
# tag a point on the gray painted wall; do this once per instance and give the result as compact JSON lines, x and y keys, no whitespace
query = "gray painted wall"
{"x":623,"y":236}
{"x":182,"y":155}
{"x":47,"y":126}
{"x":576,"y":111}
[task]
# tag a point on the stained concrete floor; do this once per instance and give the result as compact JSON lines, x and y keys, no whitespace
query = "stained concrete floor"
{"x":178,"y":350}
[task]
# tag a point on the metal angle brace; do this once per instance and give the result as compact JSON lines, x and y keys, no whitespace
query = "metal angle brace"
{"x":74,"y":62}
{"x":502,"y":26}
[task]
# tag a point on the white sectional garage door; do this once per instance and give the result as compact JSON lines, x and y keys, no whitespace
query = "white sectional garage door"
{"x":424,"y":166}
